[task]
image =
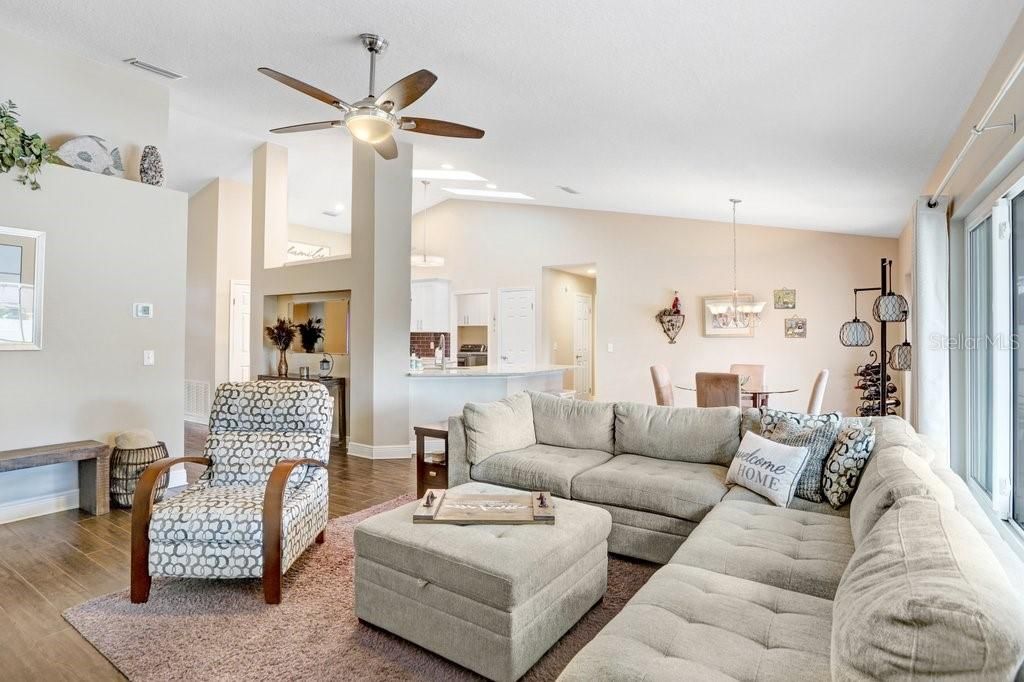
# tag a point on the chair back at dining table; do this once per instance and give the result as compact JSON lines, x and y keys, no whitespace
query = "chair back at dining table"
{"x":662,"y":385}
{"x":718,"y":389}
{"x":818,"y":393}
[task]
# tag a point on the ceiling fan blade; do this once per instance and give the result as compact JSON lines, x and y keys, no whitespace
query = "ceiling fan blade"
{"x":303,"y":127}
{"x":305,"y":88}
{"x":388,"y":149}
{"x":431,"y":126}
{"x":408,"y":90}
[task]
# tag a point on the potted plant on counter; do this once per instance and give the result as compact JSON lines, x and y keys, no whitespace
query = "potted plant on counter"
{"x":281,"y":335}
{"x":310,"y":332}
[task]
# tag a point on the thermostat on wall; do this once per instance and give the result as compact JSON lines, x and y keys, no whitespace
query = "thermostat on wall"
{"x":143,"y":310}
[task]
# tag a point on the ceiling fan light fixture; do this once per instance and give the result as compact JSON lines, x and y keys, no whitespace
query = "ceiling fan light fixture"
{"x":370,"y":125}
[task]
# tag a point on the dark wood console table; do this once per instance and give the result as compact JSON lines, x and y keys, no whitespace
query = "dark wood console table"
{"x":336,"y":385}
{"x":93,"y":460}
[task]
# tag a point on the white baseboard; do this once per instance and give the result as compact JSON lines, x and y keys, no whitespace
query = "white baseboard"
{"x":379,"y":451}
{"x":177,"y":478}
{"x":37,"y":506}
{"x":431,"y":445}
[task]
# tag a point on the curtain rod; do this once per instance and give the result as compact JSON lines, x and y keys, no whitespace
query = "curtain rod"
{"x":981,"y":127}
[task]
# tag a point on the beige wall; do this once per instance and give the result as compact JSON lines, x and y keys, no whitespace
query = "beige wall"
{"x":219,"y":227}
{"x":641,"y":260}
{"x":109,"y":243}
{"x":340,"y":243}
{"x":558,"y":307}
{"x":61,"y":95}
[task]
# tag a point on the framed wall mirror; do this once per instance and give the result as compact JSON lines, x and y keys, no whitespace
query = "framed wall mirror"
{"x":21,"y":289}
{"x":325,"y":319}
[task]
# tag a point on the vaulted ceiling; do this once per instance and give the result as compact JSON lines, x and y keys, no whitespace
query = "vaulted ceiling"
{"x":820,"y":114}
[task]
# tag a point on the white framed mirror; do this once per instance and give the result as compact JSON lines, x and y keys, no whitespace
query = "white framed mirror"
{"x":21,"y":288}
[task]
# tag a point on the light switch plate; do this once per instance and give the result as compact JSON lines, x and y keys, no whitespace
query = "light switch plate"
{"x":143,"y":310}
{"x":611,"y":348}
{"x":148,"y":357}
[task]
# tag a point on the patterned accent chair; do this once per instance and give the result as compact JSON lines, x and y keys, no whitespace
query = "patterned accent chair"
{"x":261,"y":501}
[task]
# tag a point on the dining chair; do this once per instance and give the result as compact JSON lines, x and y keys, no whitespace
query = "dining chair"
{"x":817,"y":392}
{"x":662,"y":385}
{"x":718,"y":389}
{"x":755,"y":378}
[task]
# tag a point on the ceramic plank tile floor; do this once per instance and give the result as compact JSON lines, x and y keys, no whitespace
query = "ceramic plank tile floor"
{"x":51,"y":562}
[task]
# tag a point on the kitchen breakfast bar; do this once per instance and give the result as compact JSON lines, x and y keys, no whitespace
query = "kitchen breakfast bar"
{"x":436,"y":394}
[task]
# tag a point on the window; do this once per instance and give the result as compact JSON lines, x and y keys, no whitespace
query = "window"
{"x":1017,"y":301}
{"x":979,"y":354}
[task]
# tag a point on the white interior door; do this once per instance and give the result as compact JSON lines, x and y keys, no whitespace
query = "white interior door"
{"x":582,"y":333}
{"x":518,"y":326}
{"x":238,"y":349}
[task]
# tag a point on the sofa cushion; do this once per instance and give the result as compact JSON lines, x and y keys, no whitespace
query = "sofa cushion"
{"x":573,"y":423}
{"x":924,"y":598}
{"x":890,"y":474}
{"x":680,"y":489}
{"x":819,"y":441}
{"x":499,"y":426}
{"x":687,"y":623}
{"x":845,"y":463}
{"x":702,"y":435}
{"x":538,"y":467}
{"x":771,"y":418}
{"x":738,"y":493}
{"x":786,"y":548}
{"x":768,"y":468}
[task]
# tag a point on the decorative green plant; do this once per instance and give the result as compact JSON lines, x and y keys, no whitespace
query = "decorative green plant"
{"x":281,"y":334}
{"x":310,"y":332}
{"x":20,"y":150}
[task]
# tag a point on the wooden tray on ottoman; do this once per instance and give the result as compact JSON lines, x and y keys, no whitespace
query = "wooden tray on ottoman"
{"x":440,"y":506}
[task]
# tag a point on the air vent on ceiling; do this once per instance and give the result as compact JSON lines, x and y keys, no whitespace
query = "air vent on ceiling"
{"x":164,"y":73}
{"x":567,"y":189}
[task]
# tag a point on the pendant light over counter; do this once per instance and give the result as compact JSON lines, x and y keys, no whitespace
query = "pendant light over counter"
{"x":422,"y":259}
{"x":737,"y":313}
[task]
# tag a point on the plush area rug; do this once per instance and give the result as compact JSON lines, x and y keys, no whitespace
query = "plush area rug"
{"x":222,"y":630}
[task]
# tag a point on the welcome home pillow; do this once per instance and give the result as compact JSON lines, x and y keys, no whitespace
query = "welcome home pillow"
{"x":768,"y":468}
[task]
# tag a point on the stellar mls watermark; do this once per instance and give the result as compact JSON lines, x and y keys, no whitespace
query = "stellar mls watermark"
{"x":999,"y":341}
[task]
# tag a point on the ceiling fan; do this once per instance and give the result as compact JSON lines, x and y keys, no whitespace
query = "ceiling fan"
{"x":374,"y":118}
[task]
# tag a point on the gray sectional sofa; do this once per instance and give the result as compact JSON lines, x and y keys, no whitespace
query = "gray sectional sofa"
{"x":910,"y":580}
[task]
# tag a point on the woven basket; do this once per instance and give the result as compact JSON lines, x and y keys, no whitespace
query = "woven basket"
{"x":125,"y":468}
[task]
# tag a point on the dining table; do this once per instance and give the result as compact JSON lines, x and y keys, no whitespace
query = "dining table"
{"x":758,"y":394}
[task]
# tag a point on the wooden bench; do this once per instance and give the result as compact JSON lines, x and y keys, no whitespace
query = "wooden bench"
{"x":93,"y":459}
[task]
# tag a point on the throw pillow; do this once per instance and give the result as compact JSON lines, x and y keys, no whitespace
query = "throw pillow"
{"x":771,"y":418}
{"x":819,"y":441}
{"x":500,"y":426}
{"x":769,"y":469}
{"x":846,"y":461}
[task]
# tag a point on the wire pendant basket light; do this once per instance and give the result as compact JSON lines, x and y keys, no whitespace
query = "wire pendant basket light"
{"x":891,"y":307}
{"x":856,"y":333}
{"x":737,"y":313}
{"x":900,"y":356}
{"x":422,"y":260}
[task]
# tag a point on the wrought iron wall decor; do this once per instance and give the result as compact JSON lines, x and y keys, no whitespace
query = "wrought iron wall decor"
{"x":879,"y":393}
{"x":671,"y":319}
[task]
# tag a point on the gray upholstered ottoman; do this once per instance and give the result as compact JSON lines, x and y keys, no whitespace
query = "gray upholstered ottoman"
{"x":490,"y":598}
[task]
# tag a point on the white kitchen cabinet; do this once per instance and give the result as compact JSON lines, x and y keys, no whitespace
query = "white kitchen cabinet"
{"x":473,"y":310}
{"x":429,"y":309}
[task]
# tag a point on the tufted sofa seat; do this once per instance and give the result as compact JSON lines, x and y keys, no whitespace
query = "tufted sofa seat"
{"x":910,"y":580}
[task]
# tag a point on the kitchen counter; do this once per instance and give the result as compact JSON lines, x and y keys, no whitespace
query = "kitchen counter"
{"x":436,"y":394}
{"x":486,"y":372}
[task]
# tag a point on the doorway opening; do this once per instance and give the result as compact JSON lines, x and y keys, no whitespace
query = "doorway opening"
{"x":569,"y":324}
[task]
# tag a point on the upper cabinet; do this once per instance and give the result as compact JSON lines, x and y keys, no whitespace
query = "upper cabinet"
{"x":473,"y":310}
{"x":430,"y":310}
